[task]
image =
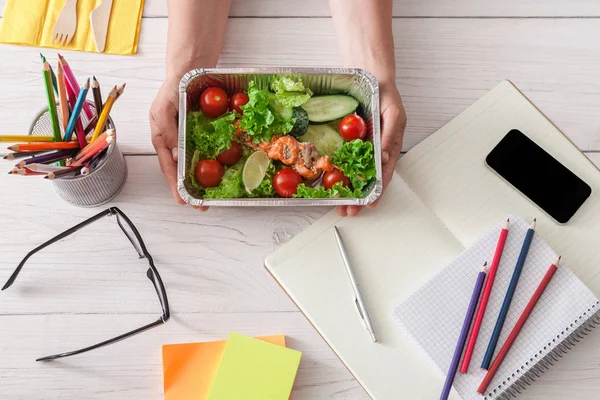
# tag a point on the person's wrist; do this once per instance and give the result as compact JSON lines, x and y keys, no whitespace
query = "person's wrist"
{"x":179,"y":65}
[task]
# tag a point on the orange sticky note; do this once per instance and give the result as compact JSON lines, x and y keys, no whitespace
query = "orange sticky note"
{"x":189,"y":369}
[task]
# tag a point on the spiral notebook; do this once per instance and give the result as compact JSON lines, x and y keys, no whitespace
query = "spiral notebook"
{"x":441,"y":202}
{"x":434,"y":315}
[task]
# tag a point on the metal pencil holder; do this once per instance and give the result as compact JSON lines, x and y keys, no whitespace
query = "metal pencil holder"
{"x":104,"y":181}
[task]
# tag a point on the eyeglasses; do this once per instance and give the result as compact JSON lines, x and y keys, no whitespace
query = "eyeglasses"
{"x":138,"y":244}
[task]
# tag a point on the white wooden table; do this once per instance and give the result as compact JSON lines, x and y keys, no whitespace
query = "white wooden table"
{"x":92,"y":287}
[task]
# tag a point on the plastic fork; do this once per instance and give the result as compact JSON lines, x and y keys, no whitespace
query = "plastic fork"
{"x":64,"y":30}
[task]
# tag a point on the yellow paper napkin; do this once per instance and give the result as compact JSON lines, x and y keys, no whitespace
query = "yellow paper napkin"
{"x":31,"y":23}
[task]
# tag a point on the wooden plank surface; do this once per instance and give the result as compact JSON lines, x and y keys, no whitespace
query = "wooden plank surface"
{"x":443,"y":66}
{"x":132,"y":368}
{"x":212,"y":267}
{"x":212,"y":262}
{"x":404,"y":8}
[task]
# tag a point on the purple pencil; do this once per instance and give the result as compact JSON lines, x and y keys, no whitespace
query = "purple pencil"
{"x":48,"y":158}
{"x":462,"y":339}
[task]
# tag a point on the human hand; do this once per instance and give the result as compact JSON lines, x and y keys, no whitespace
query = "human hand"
{"x":163,"y":126}
{"x":393,"y":124}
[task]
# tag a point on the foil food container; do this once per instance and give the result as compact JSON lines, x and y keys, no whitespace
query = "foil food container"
{"x":357,"y":83}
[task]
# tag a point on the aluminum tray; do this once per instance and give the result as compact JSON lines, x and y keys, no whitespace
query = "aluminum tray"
{"x":358,"y":83}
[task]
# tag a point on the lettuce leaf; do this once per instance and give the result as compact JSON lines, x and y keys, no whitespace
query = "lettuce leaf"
{"x":231,"y":186}
{"x":192,"y":181}
{"x":210,"y":137}
{"x":290,"y":93}
{"x":265,"y":189}
{"x":337,"y":190}
{"x":357,"y":160}
{"x":260,"y":120}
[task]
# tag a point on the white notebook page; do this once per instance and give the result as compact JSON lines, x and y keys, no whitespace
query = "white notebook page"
{"x":433,"y":316}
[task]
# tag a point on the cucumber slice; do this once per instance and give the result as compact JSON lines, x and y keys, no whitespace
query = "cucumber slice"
{"x":301,"y":124}
{"x":328,"y":108}
{"x":285,"y":112}
{"x":325,"y":138}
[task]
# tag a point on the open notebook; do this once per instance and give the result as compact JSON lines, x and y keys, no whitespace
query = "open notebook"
{"x":443,"y":200}
{"x":434,"y":315}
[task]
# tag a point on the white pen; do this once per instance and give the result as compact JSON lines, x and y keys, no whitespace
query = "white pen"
{"x":358,"y":299}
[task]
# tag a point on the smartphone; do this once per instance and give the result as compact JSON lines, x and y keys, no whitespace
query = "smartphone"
{"x":539,"y":176}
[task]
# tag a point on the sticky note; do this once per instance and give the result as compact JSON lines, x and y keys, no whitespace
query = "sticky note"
{"x":252,"y":369}
{"x":189,"y":369}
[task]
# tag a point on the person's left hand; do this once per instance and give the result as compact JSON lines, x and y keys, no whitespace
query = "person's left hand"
{"x":393,"y":123}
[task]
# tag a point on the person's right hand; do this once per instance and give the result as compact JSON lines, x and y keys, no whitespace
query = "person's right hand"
{"x":163,"y":126}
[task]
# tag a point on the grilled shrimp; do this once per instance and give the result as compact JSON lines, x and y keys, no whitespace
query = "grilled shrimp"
{"x":303,"y":157}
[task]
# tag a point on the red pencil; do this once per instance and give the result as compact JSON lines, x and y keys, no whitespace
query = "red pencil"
{"x":464,"y":367}
{"x":517,"y":328}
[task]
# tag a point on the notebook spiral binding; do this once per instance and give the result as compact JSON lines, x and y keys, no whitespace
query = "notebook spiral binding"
{"x":580,"y":328}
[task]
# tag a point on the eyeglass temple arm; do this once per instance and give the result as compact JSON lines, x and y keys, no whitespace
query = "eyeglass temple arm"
{"x":106,"y":342}
{"x":160,"y":290}
{"x":55,"y":239}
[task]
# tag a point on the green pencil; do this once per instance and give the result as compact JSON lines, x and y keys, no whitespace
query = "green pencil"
{"x":54,"y":84}
{"x":51,"y":103}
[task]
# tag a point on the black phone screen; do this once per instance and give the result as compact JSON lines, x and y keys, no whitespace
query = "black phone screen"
{"x":538,"y":175}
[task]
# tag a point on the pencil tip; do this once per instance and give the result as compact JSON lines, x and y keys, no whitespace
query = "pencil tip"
{"x":507,"y":219}
{"x":59,"y":56}
{"x":535,"y":219}
{"x":88,"y":80}
{"x":485,"y":264}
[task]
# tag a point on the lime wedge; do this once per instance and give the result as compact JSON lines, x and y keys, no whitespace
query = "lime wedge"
{"x":255,"y":169}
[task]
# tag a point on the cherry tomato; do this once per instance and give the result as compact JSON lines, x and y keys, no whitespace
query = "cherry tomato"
{"x":232,"y":155}
{"x":214,"y":102}
{"x":353,"y":127}
{"x":209,"y":173}
{"x":238,"y":100}
{"x":334,"y":176}
{"x":286,"y":182}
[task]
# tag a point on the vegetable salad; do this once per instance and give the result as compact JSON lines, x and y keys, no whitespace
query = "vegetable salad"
{"x":278,"y":142}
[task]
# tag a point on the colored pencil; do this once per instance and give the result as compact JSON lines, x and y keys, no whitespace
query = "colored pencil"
{"x":25,"y":138}
{"x":25,"y":172}
{"x":105,"y":112}
{"x":512,"y":286}
{"x":120,"y":89}
{"x":52,"y":75}
{"x":44,"y":146}
{"x":92,"y":124}
{"x":103,"y":136}
{"x":51,"y":103}
{"x":462,"y":338}
{"x":99,"y":145}
{"x":75,"y":116}
{"x":45,"y":168}
{"x":22,"y":154}
{"x":92,"y":162}
{"x":464,"y":367}
{"x":61,"y":173}
{"x":97,"y":95}
{"x":62,"y":97}
{"x":72,"y":82}
{"x":47,"y":157}
{"x":518,"y":326}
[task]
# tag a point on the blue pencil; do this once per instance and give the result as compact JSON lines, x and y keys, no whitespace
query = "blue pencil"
{"x":76,"y":111}
{"x":512,"y":286}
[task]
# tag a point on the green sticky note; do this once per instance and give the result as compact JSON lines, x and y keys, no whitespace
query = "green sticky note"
{"x":252,"y":369}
